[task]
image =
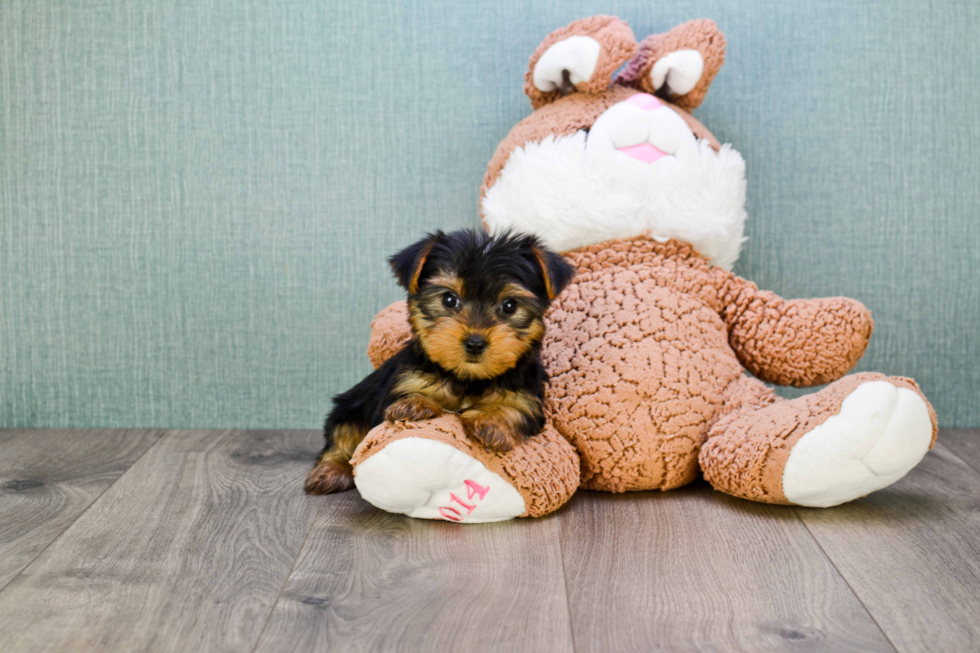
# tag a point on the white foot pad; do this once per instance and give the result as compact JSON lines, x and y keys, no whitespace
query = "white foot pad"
{"x":432,"y":480}
{"x":880,"y":433}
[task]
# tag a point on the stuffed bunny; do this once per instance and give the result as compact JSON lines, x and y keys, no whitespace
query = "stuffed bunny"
{"x":651,"y":346}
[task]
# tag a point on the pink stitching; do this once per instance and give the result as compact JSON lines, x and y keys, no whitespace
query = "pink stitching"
{"x":458,"y":517}
{"x":469,"y":508}
{"x":473,"y":489}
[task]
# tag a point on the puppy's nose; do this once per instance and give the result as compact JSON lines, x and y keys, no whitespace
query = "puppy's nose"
{"x":474,"y":344}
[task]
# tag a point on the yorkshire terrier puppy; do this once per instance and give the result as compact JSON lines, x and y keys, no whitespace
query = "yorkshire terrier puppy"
{"x":475,"y":305}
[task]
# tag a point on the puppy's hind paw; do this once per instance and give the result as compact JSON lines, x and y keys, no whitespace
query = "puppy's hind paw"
{"x":329,"y":477}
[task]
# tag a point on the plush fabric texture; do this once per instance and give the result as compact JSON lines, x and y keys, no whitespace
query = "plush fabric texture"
{"x":568,"y":115}
{"x":425,"y":478}
{"x":747,"y":449}
{"x":567,"y":65}
{"x":561,"y":190}
{"x":647,"y":352}
{"x":648,"y":347}
{"x":639,"y":362}
{"x":570,"y":186}
{"x":644,"y":345}
{"x":617,"y":45}
{"x":701,"y":35}
{"x":879,"y":434}
{"x":389,"y":332}
{"x":799,"y":342}
{"x":543,"y":469}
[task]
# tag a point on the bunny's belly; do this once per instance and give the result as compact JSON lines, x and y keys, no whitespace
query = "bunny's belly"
{"x":638,"y":374}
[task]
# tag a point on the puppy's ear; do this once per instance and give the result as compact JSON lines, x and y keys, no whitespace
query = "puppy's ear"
{"x":557,"y":271}
{"x":408,"y":263}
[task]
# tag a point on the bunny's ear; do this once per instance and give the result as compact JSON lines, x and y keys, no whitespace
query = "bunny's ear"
{"x":580,"y":57}
{"x":678,"y":65}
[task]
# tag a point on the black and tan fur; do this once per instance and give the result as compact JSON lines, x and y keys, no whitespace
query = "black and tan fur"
{"x":476,"y":307}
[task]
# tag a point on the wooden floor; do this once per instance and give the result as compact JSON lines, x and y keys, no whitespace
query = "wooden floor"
{"x":204,"y":541}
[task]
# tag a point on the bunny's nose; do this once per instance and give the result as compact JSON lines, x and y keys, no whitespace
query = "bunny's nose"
{"x":645,"y":101}
{"x":475,"y":344}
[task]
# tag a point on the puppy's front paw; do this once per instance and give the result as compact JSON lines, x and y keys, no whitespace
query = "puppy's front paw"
{"x":494,"y":433}
{"x":413,"y":409}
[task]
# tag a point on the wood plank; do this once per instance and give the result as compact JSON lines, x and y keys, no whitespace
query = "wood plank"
{"x":911,"y":553}
{"x":50,"y":477}
{"x":965,"y":443}
{"x":695,"y":570}
{"x":186,"y":552}
{"x":372,"y":581}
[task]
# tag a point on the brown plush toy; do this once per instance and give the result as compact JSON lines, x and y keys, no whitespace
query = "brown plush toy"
{"x":649,"y":346}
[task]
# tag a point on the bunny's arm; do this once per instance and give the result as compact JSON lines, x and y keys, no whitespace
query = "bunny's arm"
{"x":389,"y":332}
{"x":798,"y":342}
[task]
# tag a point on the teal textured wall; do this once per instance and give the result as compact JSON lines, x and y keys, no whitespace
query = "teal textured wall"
{"x":196,"y":197}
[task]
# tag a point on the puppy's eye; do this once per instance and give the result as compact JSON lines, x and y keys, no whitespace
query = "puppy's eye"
{"x":508,"y":306}
{"x":450,"y":300}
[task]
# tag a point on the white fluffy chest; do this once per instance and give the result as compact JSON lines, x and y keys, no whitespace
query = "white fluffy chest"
{"x":582,"y":189}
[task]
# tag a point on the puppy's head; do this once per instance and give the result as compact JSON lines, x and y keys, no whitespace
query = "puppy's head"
{"x":476,"y":302}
